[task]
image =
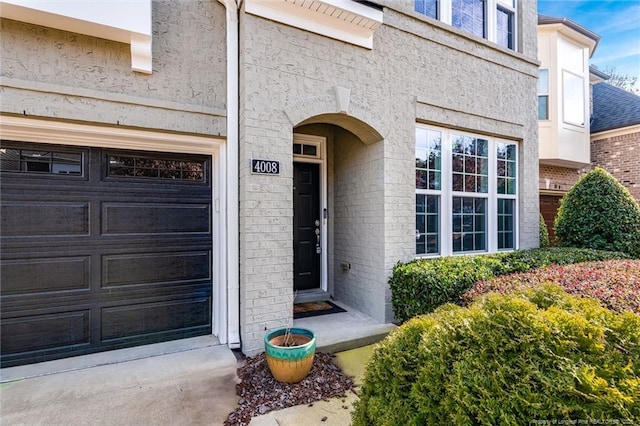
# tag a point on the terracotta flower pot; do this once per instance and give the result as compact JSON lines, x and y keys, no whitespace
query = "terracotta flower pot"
{"x":290,"y":358}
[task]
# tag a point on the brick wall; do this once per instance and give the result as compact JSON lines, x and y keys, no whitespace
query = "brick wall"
{"x":558,"y":178}
{"x":620,"y":156}
{"x":418,"y":70}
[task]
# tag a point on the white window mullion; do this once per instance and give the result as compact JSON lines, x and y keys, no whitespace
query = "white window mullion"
{"x":491,"y":21}
{"x":492,"y":207}
{"x":446,"y":227}
{"x":445,"y":11}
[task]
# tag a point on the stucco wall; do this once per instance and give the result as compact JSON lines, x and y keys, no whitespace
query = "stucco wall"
{"x":57,"y":74}
{"x":418,"y":70}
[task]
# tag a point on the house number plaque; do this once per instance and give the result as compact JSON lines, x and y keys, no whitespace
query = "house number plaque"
{"x":265,"y":167}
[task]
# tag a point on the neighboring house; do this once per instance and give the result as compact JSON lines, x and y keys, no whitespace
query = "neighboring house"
{"x":584,"y":122}
{"x":173,"y":169}
{"x":615,"y":135}
{"x":564,"y":49}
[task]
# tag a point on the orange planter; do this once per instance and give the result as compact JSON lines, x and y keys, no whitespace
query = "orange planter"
{"x":290,"y":358}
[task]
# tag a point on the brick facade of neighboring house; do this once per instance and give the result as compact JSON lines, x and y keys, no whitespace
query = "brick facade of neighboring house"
{"x":615,"y":135}
{"x":410,"y":137}
{"x":620,"y":156}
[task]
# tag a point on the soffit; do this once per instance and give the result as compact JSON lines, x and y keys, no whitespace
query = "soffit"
{"x":344,"y":20}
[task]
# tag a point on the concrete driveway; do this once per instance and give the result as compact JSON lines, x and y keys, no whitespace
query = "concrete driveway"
{"x":189,"y":387}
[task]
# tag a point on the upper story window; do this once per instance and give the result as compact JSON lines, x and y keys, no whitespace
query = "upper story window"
{"x":543,"y":95}
{"x":573,"y":98}
{"x":469,"y":15}
{"x":505,"y":18}
{"x":494,"y":20}
{"x":428,"y":8}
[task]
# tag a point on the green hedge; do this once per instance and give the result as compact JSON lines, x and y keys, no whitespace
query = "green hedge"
{"x":541,"y":355}
{"x":599,"y":213}
{"x":543,"y":232}
{"x":420,"y":286}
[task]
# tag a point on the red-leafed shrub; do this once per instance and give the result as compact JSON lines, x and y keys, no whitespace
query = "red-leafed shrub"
{"x":616,"y":283}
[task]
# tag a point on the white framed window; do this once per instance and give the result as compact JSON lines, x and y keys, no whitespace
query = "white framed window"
{"x":494,"y":20}
{"x":428,"y":8}
{"x":573,"y":98}
{"x":469,"y":15}
{"x":466,"y":192}
{"x":505,"y":23}
{"x":543,"y":94}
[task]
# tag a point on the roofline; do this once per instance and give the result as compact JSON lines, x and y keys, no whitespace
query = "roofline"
{"x":549,"y":20}
{"x":595,"y":71}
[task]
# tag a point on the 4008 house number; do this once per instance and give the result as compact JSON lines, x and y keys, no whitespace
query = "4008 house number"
{"x":265,"y":167}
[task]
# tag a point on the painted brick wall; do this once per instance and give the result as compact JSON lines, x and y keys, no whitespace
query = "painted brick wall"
{"x":620,"y":156}
{"x":52,"y":73}
{"x":418,"y":70}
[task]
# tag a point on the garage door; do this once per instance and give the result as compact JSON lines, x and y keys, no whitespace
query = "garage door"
{"x":101,"y":249}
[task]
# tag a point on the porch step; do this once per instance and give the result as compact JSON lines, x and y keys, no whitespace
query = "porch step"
{"x":345,"y":330}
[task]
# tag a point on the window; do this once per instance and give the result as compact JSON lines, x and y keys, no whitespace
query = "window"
{"x":505,"y":16}
{"x":573,"y":98}
{"x":506,"y":194}
{"x":428,"y":188}
{"x":543,"y":95}
{"x":427,"y":7}
{"x":494,"y":20}
{"x":40,"y":162}
{"x":155,"y":168}
{"x":469,"y":15}
{"x":466,"y":192}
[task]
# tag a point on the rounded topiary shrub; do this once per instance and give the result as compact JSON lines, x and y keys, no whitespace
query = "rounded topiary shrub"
{"x":540,"y":355}
{"x":599,"y":213}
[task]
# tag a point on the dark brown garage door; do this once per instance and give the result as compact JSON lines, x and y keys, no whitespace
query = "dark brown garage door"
{"x":101,"y":249}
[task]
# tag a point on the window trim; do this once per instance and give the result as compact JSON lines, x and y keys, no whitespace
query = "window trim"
{"x":446,"y":194}
{"x":583,"y":99}
{"x":544,"y":94}
{"x":444,"y":13}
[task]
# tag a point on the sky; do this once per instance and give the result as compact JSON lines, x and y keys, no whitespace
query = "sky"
{"x":617,"y":22}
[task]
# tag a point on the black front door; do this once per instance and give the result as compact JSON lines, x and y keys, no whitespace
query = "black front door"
{"x":306,"y":226}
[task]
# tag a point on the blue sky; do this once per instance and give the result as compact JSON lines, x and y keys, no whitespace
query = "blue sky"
{"x":617,"y":22}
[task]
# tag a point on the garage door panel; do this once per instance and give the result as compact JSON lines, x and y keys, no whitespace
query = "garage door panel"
{"x":44,"y":275}
{"x":32,"y":333}
{"x":92,"y":262}
{"x":148,"y":319}
{"x":135,"y":269}
{"x":29,"y":219}
{"x":155,"y":218}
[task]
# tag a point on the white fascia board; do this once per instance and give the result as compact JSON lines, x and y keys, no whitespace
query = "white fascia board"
{"x":118,"y":20}
{"x":66,"y":133}
{"x":315,"y":20}
{"x":571,"y":34}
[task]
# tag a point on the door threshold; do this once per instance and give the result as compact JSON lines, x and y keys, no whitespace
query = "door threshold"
{"x":315,"y":295}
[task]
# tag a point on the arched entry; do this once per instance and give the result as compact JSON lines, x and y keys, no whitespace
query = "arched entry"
{"x":326,"y":216}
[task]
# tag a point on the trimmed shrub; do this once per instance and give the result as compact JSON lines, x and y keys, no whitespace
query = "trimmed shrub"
{"x":616,"y":283}
{"x":543,"y":233}
{"x":540,"y":355}
{"x":599,"y":213}
{"x":420,"y":286}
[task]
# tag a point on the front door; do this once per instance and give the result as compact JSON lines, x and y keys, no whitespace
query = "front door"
{"x":306,"y":226}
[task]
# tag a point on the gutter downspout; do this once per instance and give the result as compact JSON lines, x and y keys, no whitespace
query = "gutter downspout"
{"x":232,"y":181}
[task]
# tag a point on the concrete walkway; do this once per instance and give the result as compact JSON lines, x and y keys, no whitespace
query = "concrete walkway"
{"x":185,"y":382}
